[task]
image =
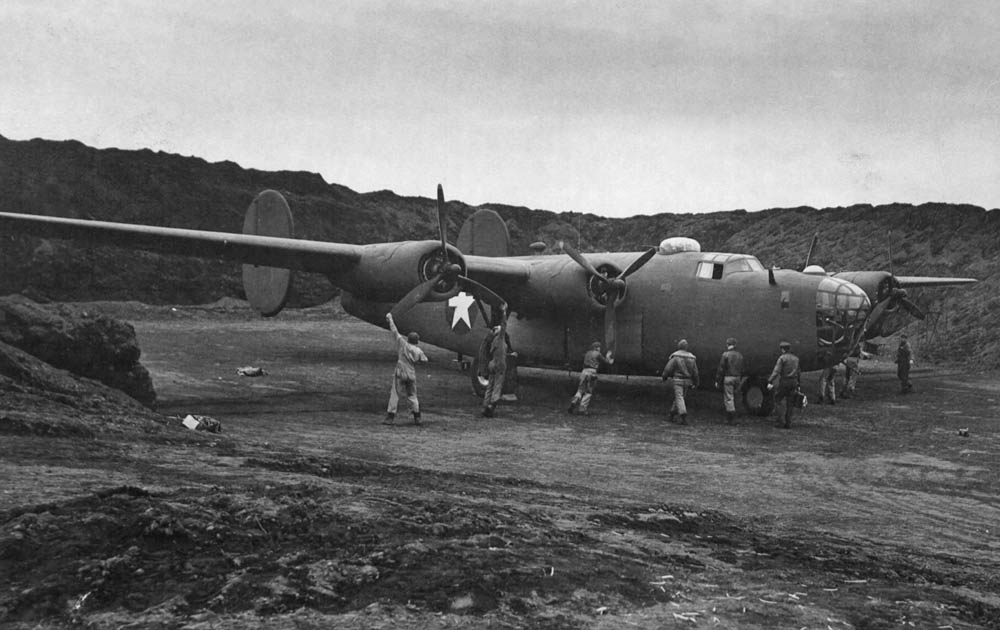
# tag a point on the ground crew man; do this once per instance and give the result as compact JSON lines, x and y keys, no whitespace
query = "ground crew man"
{"x":592,"y":360}
{"x":682,"y":367}
{"x":852,"y":367}
{"x":785,"y":377}
{"x":904,"y":358}
{"x":493,"y":359}
{"x":404,"y":379}
{"x":729,"y":377}
{"x":827,"y":385}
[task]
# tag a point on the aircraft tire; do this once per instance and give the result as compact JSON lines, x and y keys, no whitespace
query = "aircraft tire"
{"x":478,"y":382}
{"x":757,"y":399}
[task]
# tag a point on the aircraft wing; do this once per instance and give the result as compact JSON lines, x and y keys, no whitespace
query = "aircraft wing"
{"x":288,"y":253}
{"x":507,"y":277}
{"x":931,"y":281}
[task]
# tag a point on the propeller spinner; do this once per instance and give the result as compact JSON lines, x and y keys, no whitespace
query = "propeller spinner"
{"x":613,"y":288}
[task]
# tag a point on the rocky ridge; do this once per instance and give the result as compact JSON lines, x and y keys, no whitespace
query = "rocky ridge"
{"x":71,"y":179}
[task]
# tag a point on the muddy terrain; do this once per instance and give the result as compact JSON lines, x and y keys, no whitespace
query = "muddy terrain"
{"x":307,"y":512}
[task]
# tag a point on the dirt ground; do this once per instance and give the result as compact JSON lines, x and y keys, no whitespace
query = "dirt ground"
{"x":307,"y":512}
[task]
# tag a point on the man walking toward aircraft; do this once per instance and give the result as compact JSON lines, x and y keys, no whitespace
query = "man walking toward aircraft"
{"x":682,"y":367}
{"x":404,"y":383}
{"x":904,"y":358}
{"x":592,"y":360}
{"x":729,"y":377}
{"x":493,"y":361}
{"x":785,"y":376}
{"x":827,"y":385}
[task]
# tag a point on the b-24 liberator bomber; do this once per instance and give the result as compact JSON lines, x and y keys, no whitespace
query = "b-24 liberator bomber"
{"x":553,"y":306}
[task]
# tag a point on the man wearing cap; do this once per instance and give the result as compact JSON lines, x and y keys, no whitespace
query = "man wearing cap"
{"x":592,"y":360}
{"x":904,"y":358}
{"x":682,"y":367}
{"x":405,"y":377}
{"x":785,"y":376}
{"x":729,"y":377}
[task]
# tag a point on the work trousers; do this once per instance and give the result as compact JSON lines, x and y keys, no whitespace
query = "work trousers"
{"x":903,"y":373}
{"x":585,"y":390}
{"x":786,"y":391}
{"x":729,"y":386}
{"x":828,"y":387}
{"x":681,"y":385}
{"x":402,"y":388}
{"x":853,"y":365}
{"x":494,"y":388}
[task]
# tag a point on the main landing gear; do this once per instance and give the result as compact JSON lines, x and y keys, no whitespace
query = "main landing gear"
{"x":758,"y":400}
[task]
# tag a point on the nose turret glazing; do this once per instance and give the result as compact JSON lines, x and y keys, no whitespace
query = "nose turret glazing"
{"x":841,"y":310}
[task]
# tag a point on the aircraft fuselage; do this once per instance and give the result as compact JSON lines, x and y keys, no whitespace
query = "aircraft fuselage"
{"x":698,"y":296}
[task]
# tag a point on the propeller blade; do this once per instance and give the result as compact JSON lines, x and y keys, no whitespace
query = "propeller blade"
{"x":416,"y":295}
{"x":610,"y":323}
{"x":912,"y":308}
{"x":638,"y":263}
{"x":442,"y":210}
{"x":580,"y":260}
{"x":812,"y":246}
{"x":481,"y":292}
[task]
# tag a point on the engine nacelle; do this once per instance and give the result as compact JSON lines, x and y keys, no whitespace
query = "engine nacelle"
{"x":388,"y":271}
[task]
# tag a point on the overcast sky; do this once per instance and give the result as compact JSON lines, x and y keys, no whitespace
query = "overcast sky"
{"x":616,"y":108}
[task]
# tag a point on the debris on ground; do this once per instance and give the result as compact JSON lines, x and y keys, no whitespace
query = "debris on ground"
{"x":251,"y":370}
{"x":202,"y":423}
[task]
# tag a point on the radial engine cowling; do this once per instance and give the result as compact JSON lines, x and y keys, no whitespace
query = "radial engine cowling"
{"x":388,"y":271}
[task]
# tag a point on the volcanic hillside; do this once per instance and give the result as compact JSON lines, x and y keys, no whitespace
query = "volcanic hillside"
{"x":71,"y":179}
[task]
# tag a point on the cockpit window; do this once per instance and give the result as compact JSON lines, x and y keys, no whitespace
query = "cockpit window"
{"x":840,"y":296}
{"x":713,"y":267}
{"x":710,"y":270}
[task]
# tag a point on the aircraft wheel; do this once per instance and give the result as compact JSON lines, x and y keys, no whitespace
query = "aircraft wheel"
{"x":478,"y":382}
{"x":757,"y":399}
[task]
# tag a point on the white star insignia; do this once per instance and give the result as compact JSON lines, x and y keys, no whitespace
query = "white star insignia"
{"x":461,"y":304}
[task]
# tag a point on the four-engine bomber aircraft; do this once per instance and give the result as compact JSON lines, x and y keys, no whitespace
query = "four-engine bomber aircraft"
{"x":639,"y":303}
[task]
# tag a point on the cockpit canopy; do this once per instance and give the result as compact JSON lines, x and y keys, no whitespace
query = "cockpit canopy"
{"x":715,"y":266}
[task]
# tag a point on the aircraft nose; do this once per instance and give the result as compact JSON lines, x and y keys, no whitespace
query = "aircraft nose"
{"x":841,"y":310}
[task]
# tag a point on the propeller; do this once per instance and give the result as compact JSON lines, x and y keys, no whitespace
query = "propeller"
{"x":449,"y":275}
{"x":896,"y":298}
{"x":614,"y":287}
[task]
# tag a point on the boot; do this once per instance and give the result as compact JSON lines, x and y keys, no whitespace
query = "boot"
{"x":730,"y":417}
{"x":672,"y":417}
{"x":390,"y":418}
{"x":416,"y":417}
{"x":684,"y":419}
{"x":572,"y":407}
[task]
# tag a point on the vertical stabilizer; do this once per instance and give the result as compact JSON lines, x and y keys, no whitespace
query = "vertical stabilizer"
{"x":484,"y":234}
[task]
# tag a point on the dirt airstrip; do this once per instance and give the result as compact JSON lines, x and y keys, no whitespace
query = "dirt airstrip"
{"x":306,"y":512}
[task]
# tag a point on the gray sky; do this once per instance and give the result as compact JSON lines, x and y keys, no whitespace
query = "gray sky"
{"x":617,"y":108}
